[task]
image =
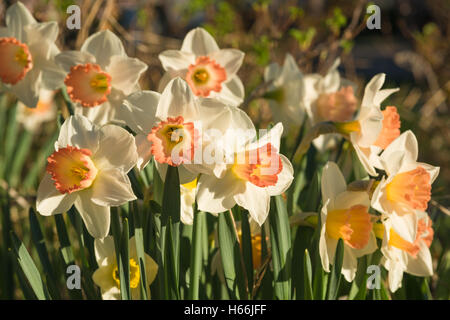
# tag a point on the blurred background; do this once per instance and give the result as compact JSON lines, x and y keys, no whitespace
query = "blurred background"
{"x":412,"y":48}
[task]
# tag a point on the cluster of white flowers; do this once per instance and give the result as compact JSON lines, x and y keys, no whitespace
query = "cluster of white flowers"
{"x":196,"y":113}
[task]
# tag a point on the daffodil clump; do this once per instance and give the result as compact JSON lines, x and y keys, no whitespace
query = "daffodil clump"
{"x":175,"y":194}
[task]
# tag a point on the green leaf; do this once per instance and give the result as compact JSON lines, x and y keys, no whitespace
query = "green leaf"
{"x":196,"y":255}
{"x":231,"y":257}
{"x":302,"y":241}
{"x":29,"y":268}
{"x":280,"y":239}
{"x":307,"y":276}
{"x":23,"y":147}
{"x":139,"y":238}
{"x":170,"y":232}
{"x":246,"y":241}
{"x":39,"y":243}
{"x":124,"y":270}
{"x":335,"y":273}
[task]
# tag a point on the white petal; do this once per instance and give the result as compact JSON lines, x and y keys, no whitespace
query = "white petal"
{"x":348,"y":199}
{"x":125,"y":73}
{"x":289,"y":71}
{"x":78,"y":131}
{"x":144,"y":151}
{"x":432,"y":170}
{"x":256,"y":200}
{"x":406,"y":142}
{"x":140,"y":109}
{"x":112,"y":188}
{"x":230,"y":59}
{"x":17,"y":17}
{"x":365,"y":156}
{"x":117,"y":149}
{"x":372,"y":89}
{"x":50,"y":201}
{"x":271,"y":72}
{"x":323,"y":249}
{"x":332,"y":181}
{"x":187,"y":202}
{"x":104,"y":249}
{"x":371,"y":123}
{"x":232,"y":92}
{"x":383,"y":94}
{"x":395,"y":276}
{"x":216,"y":196}
{"x":27,"y":90}
{"x":176,"y":60}
{"x":422,"y":265}
{"x":96,"y":218}
{"x":199,"y":42}
{"x":285,"y":178}
{"x":273,"y":136}
{"x":103,"y":45}
{"x":176,"y":100}
{"x":349,"y":264}
{"x":68,"y":59}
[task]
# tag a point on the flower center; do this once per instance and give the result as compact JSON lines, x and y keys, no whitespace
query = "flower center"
{"x":205,"y":76}
{"x":71,"y":169}
{"x":135,"y":274}
{"x":391,"y":127}
{"x":411,"y":188}
{"x":353,"y":225}
{"x":259,"y":166}
{"x":173,"y":141}
{"x":15,"y":60}
{"x":88,"y":85}
{"x":337,"y":106}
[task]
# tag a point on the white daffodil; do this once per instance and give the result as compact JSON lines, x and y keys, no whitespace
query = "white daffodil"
{"x":344,"y":216}
{"x":100,"y":76}
{"x":408,"y":183}
{"x":107,"y":275}
{"x":370,"y":132}
{"x":174,"y":127}
{"x":27,"y":51}
{"x":32,"y":118}
{"x":405,"y":247}
{"x":89,"y":169}
{"x":328,"y":98}
{"x":209,"y":70}
{"x":254,"y":172}
{"x":188,"y":191}
{"x":285,"y":93}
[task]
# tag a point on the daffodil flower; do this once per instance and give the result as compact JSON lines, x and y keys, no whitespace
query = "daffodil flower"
{"x":27,"y":51}
{"x":408,"y":183}
{"x":32,"y":118}
{"x":209,"y":71}
{"x":257,"y":172}
{"x":373,"y":129}
{"x":99,"y":76}
{"x":328,"y":98}
{"x":172,"y":127}
{"x":405,"y":247}
{"x":89,"y":169}
{"x":285,"y":93}
{"x":344,"y":216}
{"x":107,"y":275}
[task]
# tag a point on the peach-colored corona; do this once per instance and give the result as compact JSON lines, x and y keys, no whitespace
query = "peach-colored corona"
{"x":171,"y":134}
{"x":353,"y":225}
{"x":337,"y":106}
{"x":205,"y":75}
{"x":411,"y":188}
{"x":260,"y":166}
{"x":71,"y":169}
{"x":88,"y":84}
{"x":391,"y":127}
{"x":15,"y":60}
